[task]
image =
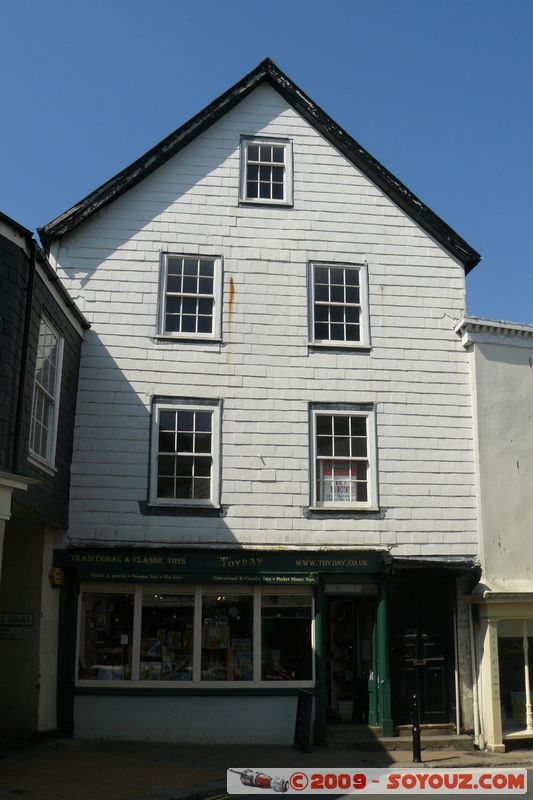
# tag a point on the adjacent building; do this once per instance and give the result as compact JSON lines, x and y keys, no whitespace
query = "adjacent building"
{"x":273,"y":483}
{"x":501,"y":364}
{"x":41,"y":331}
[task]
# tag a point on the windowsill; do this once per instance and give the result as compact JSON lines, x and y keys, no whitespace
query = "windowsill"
{"x":84,"y":683}
{"x":337,"y":509}
{"x":339,"y":346}
{"x":183,"y":510}
{"x":167,"y":337}
{"x":267,"y":203}
{"x":43,"y":465}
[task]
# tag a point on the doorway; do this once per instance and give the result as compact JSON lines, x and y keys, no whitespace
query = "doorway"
{"x":422,"y":649}
{"x":349,"y":657}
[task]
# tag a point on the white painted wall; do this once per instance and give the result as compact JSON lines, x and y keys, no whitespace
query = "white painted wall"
{"x":503,"y":376}
{"x":186,"y":720}
{"x":416,"y":372}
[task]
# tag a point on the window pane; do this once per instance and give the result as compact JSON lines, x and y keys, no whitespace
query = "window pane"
{"x":202,"y":443}
{"x":190,"y":266}
{"x":341,"y":446}
{"x":185,"y":420}
{"x":358,"y":426}
{"x":336,"y":276}
{"x":321,"y":293}
{"x":253,"y":172}
{"x":202,"y":488}
{"x":278,"y":154}
{"x":174,"y":265}
{"x":227,"y":643}
{"x":324,"y":424}
{"x":203,"y":420}
{"x":190,"y":285}
{"x":337,"y":294}
{"x":207,"y":268}
{"x":351,"y":277}
{"x":165,"y":487}
{"x":166,"y":465}
{"x":105,"y":637}
{"x":189,"y":305}
{"x":337,"y":332}
{"x":341,"y":425}
{"x":358,"y":446}
{"x":185,"y":443}
{"x":166,"y":637}
{"x":324,"y":446}
{"x":205,"y":325}
{"x":183,"y":488}
{"x":167,"y":420}
{"x":184,"y":466}
{"x":264,"y":191}
{"x":206,"y":287}
{"x":286,"y":651}
{"x":352,"y":294}
{"x":253,"y":152}
{"x":265,"y":153}
{"x":174,"y":283}
{"x":202,"y":466}
{"x":321,"y":331}
{"x":252,"y":189}
{"x":277,"y":191}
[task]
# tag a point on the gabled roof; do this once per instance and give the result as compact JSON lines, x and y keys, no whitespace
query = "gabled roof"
{"x":265,"y":72}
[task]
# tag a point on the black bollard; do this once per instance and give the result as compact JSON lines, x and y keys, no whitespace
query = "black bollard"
{"x":415,"y":715}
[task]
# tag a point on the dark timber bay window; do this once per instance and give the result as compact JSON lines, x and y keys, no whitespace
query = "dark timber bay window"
{"x":190,"y":297}
{"x":339,"y":305}
{"x":185,"y":443}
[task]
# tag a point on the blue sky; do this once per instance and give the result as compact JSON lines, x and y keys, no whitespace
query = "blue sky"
{"x":439,"y":91}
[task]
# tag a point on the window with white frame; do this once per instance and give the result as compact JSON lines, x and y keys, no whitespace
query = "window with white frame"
{"x":266,"y":171}
{"x":46,"y":391}
{"x":185,"y":447}
{"x":339,"y":305}
{"x":191,"y":636}
{"x":344,"y":459}
{"x":191,"y":298}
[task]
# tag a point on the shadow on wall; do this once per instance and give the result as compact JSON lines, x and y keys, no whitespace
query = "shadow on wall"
{"x":113,"y":493}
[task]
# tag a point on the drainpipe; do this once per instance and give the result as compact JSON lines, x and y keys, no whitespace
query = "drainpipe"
{"x":24,"y":357}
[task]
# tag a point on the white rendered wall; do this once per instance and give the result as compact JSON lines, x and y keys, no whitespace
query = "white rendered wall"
{"x":187,"y":720}
{"x":416,"y":372}
{"x":504,"y":388}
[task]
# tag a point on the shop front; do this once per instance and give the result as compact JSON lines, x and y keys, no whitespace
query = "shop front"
{"x":504,"y":623}
{"x":207,"y":646}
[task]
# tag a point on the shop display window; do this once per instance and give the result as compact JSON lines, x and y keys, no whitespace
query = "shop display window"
{"x":167,"y":632}
{"x":286,"y":637}
{"x":106,"y":637}
{"x":515,"y":650}
{"x":227,"y":637}
{"x":154,"y":636}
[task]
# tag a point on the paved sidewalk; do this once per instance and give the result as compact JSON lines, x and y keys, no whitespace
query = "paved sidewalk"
{"x":70,"y":769}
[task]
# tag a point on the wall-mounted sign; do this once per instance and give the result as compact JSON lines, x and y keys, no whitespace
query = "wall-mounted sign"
{"x":15,"y":618}
{"x":10,"y":633}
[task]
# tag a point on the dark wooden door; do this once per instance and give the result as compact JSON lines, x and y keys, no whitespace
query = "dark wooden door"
{"x":422,"y":650}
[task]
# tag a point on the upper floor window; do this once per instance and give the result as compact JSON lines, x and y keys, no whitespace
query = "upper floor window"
{"x":266,"y":171}
{"x":344,"y":459}
{"x":185,"y":447}
{"x":339,"y":305}
{"x":190,"y":297}
{"x":46,"y":390}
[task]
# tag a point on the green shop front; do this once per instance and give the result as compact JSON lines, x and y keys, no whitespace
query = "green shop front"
{"x":214,"y":645}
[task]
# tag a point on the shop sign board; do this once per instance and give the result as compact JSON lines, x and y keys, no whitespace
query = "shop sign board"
{"x":220,"y":566}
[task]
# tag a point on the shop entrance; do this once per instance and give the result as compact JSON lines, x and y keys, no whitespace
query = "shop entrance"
{"x":350,"y":624}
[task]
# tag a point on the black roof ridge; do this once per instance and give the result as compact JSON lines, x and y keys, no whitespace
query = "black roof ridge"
{"x":267,"y":71}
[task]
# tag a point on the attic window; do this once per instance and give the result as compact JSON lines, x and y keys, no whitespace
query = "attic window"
{"x":266,"y":171}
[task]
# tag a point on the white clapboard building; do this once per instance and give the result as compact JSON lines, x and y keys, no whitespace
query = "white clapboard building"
{"x":273,"y":485}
